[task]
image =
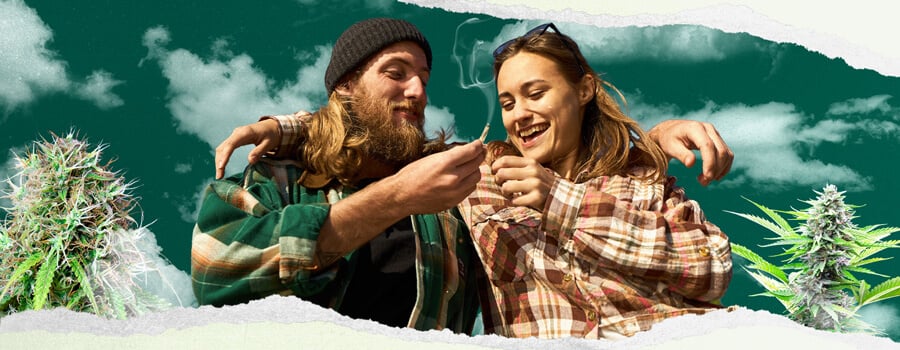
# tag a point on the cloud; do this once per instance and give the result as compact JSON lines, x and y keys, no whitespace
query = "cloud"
{"x":681,"y":43}
{"x":872,"y":116}
{"x":97,"y":88}
{"x":210,"y":96}
{"x":440,"y":118}
{"x":861,"y":105}
{"x":29,"y":69}
{"x":885,"y":317}
{"x":188,"y":213}
{"x":767,"y":141}
{"x":383,"y":5}
{"x":183,"y":168}
{"x":161,"y":278}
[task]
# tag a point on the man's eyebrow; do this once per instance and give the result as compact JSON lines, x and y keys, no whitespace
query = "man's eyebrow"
{"x":405,"y":62}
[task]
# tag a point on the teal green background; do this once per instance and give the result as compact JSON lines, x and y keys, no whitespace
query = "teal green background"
{"x":152,"y":143}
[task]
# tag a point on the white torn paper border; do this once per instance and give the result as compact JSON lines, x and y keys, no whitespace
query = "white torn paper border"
{"x":859,"y":32}
{"x":279,"y":322}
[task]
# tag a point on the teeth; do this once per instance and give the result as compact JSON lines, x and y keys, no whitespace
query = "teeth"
{"x":533,"y":129}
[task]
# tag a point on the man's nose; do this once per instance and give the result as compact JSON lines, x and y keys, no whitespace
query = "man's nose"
{"x":415,"y":89}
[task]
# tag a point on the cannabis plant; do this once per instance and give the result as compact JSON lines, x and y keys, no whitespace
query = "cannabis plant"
{"x":817,"y":284}
{"x":68,"y":239}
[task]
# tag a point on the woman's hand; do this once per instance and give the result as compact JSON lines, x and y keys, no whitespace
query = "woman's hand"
{"x":523,"y":181}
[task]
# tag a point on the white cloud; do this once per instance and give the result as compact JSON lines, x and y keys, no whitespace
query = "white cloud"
{"x":885,"y":317}
{"x":440,"y":118}
{"x":861,"y":105}
{"x":161,"y":278}
{"x":188,"y":213}
{"x":183,"y":168}
{"x":618,"y":44}
{"x":97,"y":88}
{"x":211,"y":96}
{"x":767,"y":141}
{"x":29,"y":69}
{"x":383,"y":5}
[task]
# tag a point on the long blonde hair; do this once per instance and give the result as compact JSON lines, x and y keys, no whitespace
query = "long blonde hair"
{"x":607,"y":134}
{"x":335,"y":141}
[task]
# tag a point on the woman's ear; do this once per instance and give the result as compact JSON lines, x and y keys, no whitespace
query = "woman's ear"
{"x":586,"y":89}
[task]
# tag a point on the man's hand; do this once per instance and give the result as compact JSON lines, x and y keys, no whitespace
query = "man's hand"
{"x":265,"y":134}
{"x":428,"y":185}
{"x":678,"y":138}
{"x":439,"y":181}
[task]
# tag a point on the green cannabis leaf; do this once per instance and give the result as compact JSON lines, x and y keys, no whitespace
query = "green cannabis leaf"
{"x":817,"y":284}
{"x":69,"y":240}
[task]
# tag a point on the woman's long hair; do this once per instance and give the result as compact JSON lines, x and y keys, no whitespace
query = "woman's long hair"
{"x":614,"y":144}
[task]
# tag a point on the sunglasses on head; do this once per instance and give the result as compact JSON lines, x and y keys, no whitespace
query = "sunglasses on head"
{"x":538,"y":31}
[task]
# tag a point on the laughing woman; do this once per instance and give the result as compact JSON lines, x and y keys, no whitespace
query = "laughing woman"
{"x":579,"y":228}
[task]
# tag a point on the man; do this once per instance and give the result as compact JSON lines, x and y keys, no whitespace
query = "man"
{"x":361,"y":223}
{"x":280,"y":227}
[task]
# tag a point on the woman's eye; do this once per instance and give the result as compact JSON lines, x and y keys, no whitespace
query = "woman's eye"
{"x":536,"y":94}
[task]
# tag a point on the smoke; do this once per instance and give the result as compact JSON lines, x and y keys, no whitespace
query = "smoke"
{"x":470,"y":76}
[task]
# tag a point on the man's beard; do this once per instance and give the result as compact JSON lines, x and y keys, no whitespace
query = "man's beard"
{"x":387,"y":142}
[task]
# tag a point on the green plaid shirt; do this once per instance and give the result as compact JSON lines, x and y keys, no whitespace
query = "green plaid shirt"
{"x":256,"y":236}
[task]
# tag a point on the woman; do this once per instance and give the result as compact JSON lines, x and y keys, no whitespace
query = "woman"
{"x":579,"y":230}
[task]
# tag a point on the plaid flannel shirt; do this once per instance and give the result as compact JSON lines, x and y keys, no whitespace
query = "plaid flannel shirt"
{"x":256,"y":236}
{"x":607,"y":257}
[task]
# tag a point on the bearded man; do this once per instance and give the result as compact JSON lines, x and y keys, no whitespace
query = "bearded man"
{"x":360,"y":221}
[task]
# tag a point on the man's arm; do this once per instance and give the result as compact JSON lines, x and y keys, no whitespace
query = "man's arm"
{"x":249,"y":244}
{"x":276,"y":135}
{"x":653,"y":235}
{"x":651,"y":231}
{"x":678,"y":138}
{"x":429,"y":185}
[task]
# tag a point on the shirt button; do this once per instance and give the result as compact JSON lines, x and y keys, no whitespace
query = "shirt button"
{"x":704,"y":251}
{"x":568,"y":277}
{"x":592,"y":316}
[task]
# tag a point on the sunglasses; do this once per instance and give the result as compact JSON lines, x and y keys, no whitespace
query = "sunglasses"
{"x":538,"y":31}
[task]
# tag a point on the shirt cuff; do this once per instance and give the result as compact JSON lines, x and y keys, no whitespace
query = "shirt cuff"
{"x":292,"y":128}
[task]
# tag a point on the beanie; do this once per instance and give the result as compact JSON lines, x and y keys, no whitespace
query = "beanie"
{"x":364,"y":39}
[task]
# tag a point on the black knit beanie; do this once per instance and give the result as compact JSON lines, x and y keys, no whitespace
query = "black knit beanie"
{"x":364,"y":39}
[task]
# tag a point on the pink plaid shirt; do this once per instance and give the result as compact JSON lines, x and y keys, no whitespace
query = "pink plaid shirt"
{"x":608,"y":257}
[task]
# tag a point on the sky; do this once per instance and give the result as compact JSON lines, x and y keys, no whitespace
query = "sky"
{"x":163,"y":82}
